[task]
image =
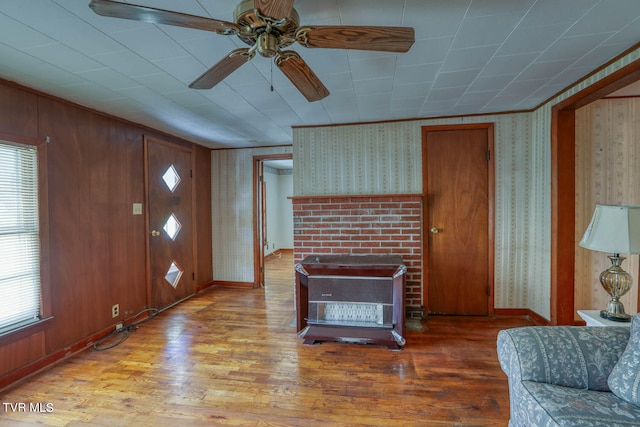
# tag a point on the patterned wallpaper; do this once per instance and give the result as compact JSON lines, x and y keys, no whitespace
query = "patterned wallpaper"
{"x":354,"y":160}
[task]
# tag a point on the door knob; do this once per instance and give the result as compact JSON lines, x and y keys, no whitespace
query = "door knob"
{"x":434,"y":230}
{"x":155,"y":233}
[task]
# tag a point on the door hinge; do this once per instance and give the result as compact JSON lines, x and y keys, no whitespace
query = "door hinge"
{"x":190,"y":173}
{"x":193,"y":276}
{"x":488,"y":155}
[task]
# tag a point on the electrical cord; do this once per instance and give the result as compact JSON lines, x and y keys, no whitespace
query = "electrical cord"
{"x":125,"y":330}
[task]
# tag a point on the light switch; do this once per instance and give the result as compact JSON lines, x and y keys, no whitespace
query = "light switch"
{"x":137,"y":208}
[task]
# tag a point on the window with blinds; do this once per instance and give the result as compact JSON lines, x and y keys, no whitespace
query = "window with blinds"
{"x":19,"y":237}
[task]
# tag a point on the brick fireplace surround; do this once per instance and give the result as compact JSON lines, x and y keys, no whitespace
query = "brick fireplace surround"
{"x":363,"y":225}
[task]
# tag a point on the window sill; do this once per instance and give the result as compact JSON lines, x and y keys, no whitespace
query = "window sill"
{"x":24,"y":331}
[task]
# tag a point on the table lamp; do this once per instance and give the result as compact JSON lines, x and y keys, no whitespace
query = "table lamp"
{"x":614,"y":229}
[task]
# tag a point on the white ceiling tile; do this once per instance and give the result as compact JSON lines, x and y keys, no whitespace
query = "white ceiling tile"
{"x":628,"y":36}
{"x":108,"y":78}
{"x":543,"y":70}
{"x":366,"y":12}
{"x":186,"y":68}
{"x":437,"y":108}
{"x":29,"y":37}
{"x":484,"y":30}
{"x":569,"y":76}
{"x":338,"y":82}
{"x":600,"y":55}
{"x":163,"y":83}
{"x":187,"y":98}
{"x":497,"y":7}
{"x":465,"y":59}
{"x":317,"y":12}
{"x":606,"y":17}
{"x":515,"y":91}
{"x":412,"y":104}
{"x":47,"y":78}
{"x":455,"y":79}
{"x":373,"y":68}
{"x":127,"y":63}
{"x":531,"y":39}
{"x":481,"y":84}
{"x":85,"y":92}
{"x":573,"y":47}
{"x":550,"y":12}
{"x":383,"y":85}
{"x":508,"y":64}
{"x":17,"y":60}
{"x":149,"y":42}
{"x":427,"y":51}
{"x":435,"y":18}
{"x":417,"y":73}
{"x":326,"y":61}
{"x":451,"y":93}
{"x":209,"y":48}
{"x":64,"y":57}
{"x":408,"y":90}
{"x":477,"y":98}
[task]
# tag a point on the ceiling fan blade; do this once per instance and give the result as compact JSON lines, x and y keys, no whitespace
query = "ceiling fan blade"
{"x":387,"y":39}
{"x":222,"y":69}
{"x":297,"y":70}
{"x":134,"y":12}
{"x":276,"y":9}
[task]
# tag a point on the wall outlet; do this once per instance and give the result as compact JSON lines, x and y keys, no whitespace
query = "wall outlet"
{"x":115,"y":310}
{"x":119,"y":326}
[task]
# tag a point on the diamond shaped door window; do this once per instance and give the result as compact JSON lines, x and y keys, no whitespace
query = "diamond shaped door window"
{"x":173,"y":275}
{"x":171,"y":178}
{"x":172,"y":227}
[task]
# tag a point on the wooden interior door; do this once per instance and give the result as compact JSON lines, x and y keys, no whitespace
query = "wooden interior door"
{"x":457,"y":221}
{"x":170,"y":220}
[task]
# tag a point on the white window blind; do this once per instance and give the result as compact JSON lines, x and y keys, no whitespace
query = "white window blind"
{"x":19,"y":237}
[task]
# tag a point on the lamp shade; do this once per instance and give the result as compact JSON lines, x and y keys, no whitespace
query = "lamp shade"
{"x":614,"y":229}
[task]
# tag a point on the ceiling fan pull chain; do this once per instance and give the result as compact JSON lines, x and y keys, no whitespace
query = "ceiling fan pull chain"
{"x":271,"y":76}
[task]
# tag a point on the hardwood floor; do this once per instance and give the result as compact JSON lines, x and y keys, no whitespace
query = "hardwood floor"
{"x":231,"y":357}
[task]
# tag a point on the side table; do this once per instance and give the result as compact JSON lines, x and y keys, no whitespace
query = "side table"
{"x":592,"y":317}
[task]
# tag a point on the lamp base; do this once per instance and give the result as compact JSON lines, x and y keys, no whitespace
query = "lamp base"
{"x":616,"y":317}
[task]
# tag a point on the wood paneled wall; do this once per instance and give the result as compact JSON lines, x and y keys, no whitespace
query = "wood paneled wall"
{"x":607,"y":172}
{"x":96,"y":247}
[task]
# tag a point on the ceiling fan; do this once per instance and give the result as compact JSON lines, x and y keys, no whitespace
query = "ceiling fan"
{"x":268,"y":26}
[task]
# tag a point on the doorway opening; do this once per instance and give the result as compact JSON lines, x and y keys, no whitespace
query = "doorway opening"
{"x":273,"y":231}
{"x":563,"y":187}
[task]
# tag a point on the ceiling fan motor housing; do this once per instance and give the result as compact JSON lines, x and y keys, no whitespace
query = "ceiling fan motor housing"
{"x":284,"y":31}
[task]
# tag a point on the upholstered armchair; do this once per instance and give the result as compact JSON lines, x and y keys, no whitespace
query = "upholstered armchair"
{"x":572,"y":375}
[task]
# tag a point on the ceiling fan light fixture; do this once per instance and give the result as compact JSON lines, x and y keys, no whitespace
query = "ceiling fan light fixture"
{"x":267,"y":45}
